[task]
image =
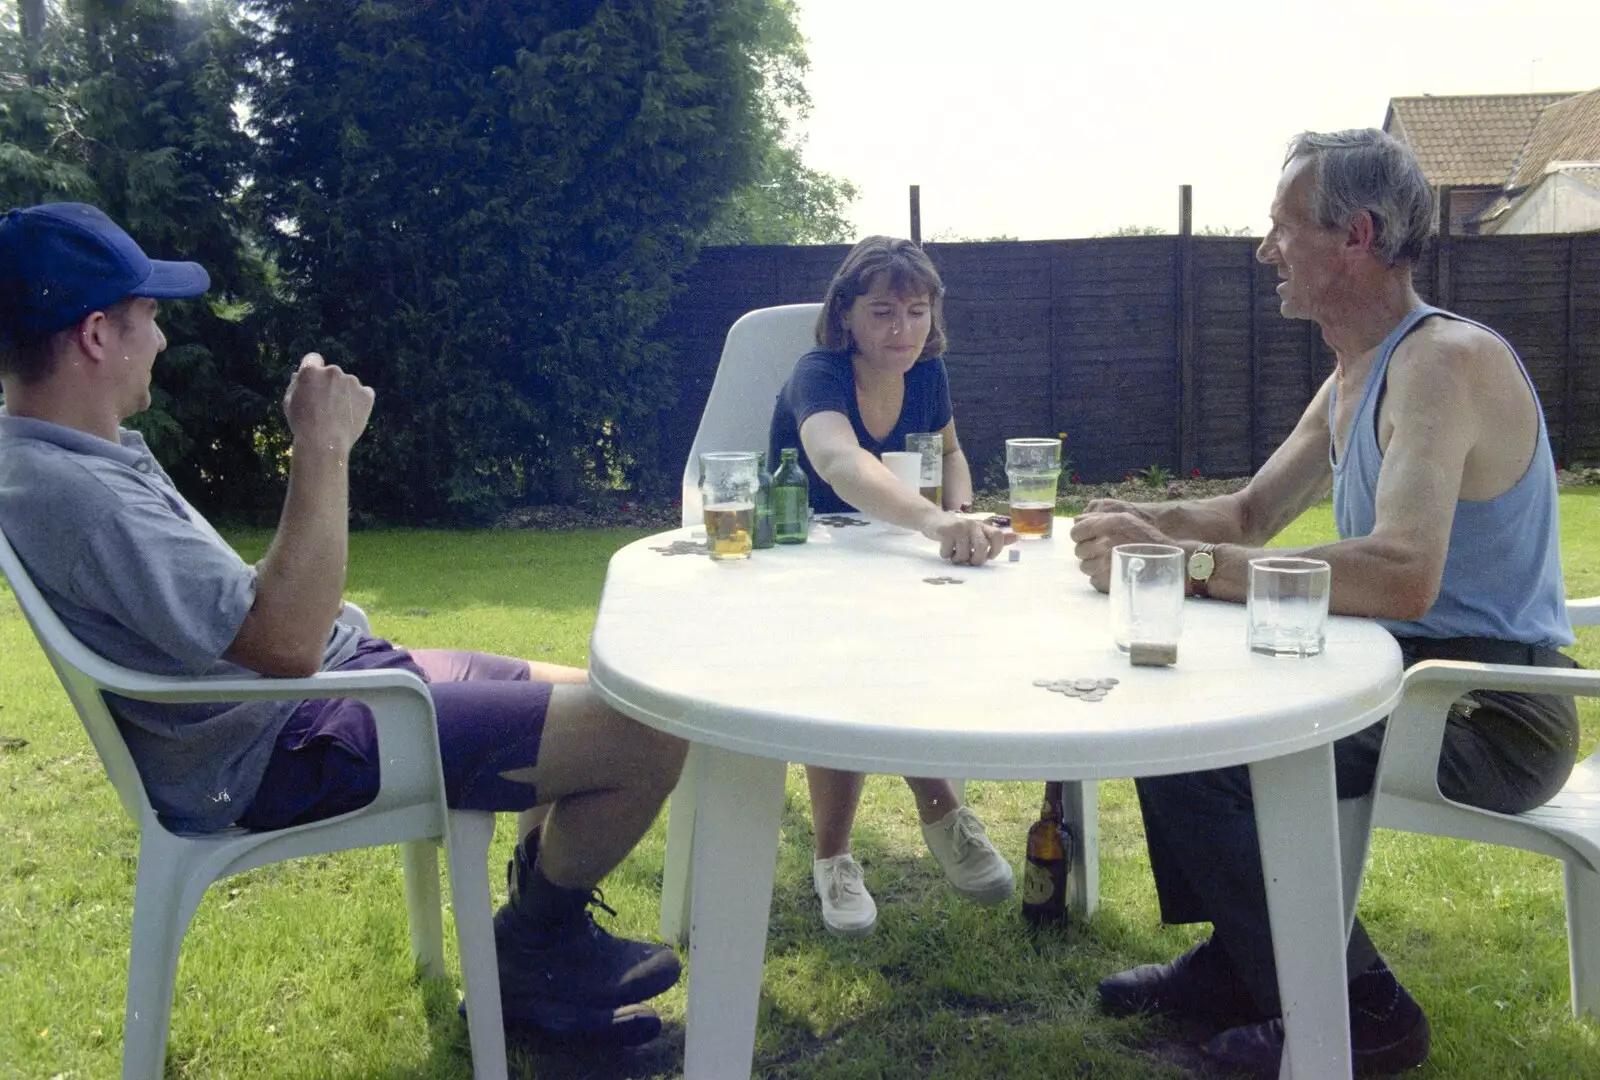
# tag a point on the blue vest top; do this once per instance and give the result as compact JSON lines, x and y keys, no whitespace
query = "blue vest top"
{"x":1502,"y":574}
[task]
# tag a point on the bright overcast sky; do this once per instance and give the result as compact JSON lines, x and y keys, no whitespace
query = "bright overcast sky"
{"x":1045,"y":119}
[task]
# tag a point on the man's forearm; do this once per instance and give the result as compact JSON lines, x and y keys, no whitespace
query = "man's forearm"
{"x":1216,"y":520}
{"x":300,"y":581}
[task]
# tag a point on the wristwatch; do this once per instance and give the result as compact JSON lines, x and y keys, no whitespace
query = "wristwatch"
{"x":1201,"y":566}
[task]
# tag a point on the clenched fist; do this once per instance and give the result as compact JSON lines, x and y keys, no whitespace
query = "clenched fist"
{"x":325,"y":407}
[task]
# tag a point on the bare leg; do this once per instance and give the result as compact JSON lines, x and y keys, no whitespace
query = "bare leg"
{"x":604,"y":777}
{"x":935,"y":798}
{"x":532,"y":818}
{"x":834,"y":795}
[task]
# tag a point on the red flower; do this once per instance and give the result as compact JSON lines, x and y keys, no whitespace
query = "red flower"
{"x":1197,"y":474}
{"x":1075,"y":479}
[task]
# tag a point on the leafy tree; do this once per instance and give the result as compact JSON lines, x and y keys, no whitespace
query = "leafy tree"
{"x":1136,"y":230}
{"x":130,"y":107}
{"x":951,"y":236}
{"x":787,"y":202}
{"x":481,"y":206}
{"x":1224,"y":230}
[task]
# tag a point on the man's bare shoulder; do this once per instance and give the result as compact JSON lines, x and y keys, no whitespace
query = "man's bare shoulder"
{"x":1450,"y":348}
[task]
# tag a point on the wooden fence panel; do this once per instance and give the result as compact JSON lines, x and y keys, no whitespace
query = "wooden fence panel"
{"x":1083,"y":336}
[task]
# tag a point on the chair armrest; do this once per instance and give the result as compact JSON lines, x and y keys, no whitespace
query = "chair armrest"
{"x":1409,"y":766}
{"x":1585,"y":612}
{"x":353,"y":615}
{"x":326,"y":684}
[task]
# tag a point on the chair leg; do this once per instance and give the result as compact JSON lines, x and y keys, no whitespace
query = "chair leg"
{"x":470,"y":835}
{"x":420,"y":862}
{"x":677,"y":871}
{"x":161,"y":914}
{"x":1583,"y":938}
{"x":1080,"y":803}
{"x":1355,"y":841}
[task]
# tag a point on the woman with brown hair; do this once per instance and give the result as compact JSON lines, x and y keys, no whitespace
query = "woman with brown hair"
{"x":877,"y":375}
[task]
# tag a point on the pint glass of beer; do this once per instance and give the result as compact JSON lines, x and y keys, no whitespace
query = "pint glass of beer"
{"x":1033,"y":466}
{"x":930,"y":444}
{"x":728,"y":484}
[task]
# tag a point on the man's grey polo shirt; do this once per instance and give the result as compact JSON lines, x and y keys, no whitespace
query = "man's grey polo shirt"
{"x":140,"y":577}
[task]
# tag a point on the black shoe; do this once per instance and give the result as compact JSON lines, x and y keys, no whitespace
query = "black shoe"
{"x":1199,"y":986}
{"x":1388,"y":1033}
{"x":533,"y":1020}
{"x":578,"y":963}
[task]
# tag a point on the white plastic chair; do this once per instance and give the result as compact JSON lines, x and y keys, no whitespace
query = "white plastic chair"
{"x":1407,"y":795}
{"x":757,"y":357}
{"x":175,"y":870}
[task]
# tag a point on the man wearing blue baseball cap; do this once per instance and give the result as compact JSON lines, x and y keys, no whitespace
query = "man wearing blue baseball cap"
{"x":141,"y":578}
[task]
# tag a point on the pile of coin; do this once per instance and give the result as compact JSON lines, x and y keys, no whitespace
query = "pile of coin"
{"x":839,"y":521}
{"x":1082,"y":689}
{"x":682,"y":547}
{"x":944,"y":581}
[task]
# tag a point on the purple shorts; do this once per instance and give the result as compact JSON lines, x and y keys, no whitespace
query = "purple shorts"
{"x":490,"y":716}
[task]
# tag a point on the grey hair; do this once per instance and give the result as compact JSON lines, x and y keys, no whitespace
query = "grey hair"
{"x":1367,"y":169}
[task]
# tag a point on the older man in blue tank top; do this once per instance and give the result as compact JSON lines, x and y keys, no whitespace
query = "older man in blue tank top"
{"x":1431,"y":438}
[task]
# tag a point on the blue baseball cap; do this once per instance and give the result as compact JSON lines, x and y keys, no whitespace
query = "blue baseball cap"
{"x":61,"y":261}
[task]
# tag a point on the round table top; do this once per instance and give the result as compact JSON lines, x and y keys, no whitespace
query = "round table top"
{"x":862,"y":649}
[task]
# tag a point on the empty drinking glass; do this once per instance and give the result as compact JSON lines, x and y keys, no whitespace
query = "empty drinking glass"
{"x":930,"y":444}
{"x":1288,"y":606}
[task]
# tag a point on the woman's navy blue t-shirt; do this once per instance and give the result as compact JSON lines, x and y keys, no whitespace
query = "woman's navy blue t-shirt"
{"x":825,"y":382}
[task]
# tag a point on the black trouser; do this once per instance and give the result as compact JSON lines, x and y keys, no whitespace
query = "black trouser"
{"x":1502,"y":751}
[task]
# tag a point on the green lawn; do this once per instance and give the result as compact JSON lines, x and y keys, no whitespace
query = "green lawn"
{"x":301,"y":970}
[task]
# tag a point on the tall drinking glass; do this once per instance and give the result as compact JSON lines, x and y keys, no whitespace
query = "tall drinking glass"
{"x":728,"y":484}
{"x":930,"y":444}
{"x":1033,"y":466}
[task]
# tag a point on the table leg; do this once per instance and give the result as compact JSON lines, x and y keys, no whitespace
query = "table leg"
{"x":677,"y":884}
{"x":1298,"y":824}
{"x":1081,"y":804}
{"x":735,"y":853}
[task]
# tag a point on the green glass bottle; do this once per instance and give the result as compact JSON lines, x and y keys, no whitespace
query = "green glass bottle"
{"x":791,"y":500}
{"x":763,"y":529}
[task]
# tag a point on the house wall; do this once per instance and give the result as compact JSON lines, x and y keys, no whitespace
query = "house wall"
{"x":1557,"y":203}
{"x":1466,"y":203}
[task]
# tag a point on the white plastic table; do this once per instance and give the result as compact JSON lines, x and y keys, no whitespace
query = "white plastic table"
{"x":840,"y":652}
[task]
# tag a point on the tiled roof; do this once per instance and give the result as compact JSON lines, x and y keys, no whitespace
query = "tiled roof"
{"x":1567,"y":131}
{"x":1475,"y":139}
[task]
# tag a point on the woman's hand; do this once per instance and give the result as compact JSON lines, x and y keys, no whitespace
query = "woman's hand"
{"x":969,"y":540}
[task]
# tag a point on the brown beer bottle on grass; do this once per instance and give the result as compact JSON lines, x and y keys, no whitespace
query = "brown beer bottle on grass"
{"x":1044,"y":875}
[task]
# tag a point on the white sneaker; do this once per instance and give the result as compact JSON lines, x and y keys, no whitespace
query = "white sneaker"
{"x":974,"y":868}
{"x":847,"y":907}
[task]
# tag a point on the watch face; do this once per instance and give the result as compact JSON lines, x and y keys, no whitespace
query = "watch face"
{"x":1201,"y":564}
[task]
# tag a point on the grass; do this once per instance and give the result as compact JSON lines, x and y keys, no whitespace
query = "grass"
{"x":301,"y":970}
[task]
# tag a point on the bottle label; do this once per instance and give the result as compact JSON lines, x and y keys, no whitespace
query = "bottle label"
{"x":1036,"y":883}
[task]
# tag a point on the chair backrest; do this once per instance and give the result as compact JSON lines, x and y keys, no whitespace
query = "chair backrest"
{"x":83,"y":674}
{"x":759,"y":354}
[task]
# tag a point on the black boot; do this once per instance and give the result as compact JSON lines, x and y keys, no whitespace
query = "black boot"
{"x":551,"y":950}
{"x":1388,"y":1032}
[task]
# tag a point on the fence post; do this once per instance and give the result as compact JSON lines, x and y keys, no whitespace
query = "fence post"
{"x":1253,"y":331}
{"x":1188,"y":395}
{"x":1441,"y":252}
{"x":916,"y":214}
{"x":1569,"y":366}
